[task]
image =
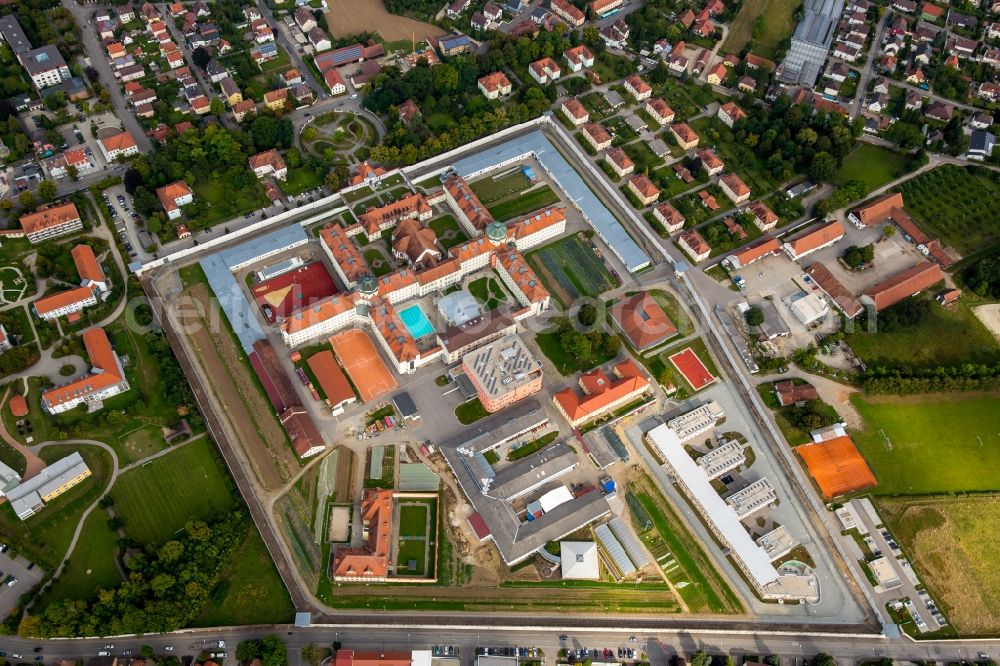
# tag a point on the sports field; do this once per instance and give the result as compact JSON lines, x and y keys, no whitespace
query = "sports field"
{"x":292,"y":291}
{"x":569,"y":268}
{"x":363,"y":364}
{"x":158,"y":498}
{"x":492,"y":188}
{"x":930,"y":444}
{"x":951,"y":203}
{"x":694,"y":371}
{"x":836,"y":466}
{"x":954,"y":544}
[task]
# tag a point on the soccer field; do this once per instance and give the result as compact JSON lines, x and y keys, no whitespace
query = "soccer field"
{"x":158,"y":498}
{"x":929,"y":444}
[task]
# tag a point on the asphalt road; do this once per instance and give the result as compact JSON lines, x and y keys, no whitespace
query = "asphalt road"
{"x":659,"y":645}
{"x":83,"y":15}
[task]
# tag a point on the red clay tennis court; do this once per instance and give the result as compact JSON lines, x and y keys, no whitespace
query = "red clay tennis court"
{"x":836,"y":466}
{"x":283,"y":295}
{"x":362,"y":362}
{"x":694,"y":371}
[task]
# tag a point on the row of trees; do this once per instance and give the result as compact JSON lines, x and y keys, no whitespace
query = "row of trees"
{"x":944,"y":379}
{"x":166,"y":586}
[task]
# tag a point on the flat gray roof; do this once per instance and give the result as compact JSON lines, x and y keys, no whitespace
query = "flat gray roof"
{"x":259,"y":246}
{"x":525,"y":475}
{"x":486,"y":433}
{"x":233,"y":301}
{"x":713,"y":508}
{"x":43,"y":59}
{"x":14,"y":35}
{"x":28,"y":495}
{"x":596,"y":213}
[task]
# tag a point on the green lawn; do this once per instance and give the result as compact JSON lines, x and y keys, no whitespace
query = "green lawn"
{"x":873,"y":165}
{"x":413,"y":520}
{"x":92,"y":564}
{"x":470,"y":412}
{"x":158,"y":498}
{"x":951,"y":203}
{"x":605,"y":65}
{"x":570,"y":268}
{"x":931,"y":444}
{"x":444,"y":224}
{"x":488,"y":290}
{"x":944,"y":337}
{"x":513,"y":206}
{"x":250,"y":592}
{"x":220,"y":201}
{"x":778,"y":25}
{"x":299,"y":180}
{"x":530,"y":447}
{"x":490,"y":189}
{"x":374,"y":256}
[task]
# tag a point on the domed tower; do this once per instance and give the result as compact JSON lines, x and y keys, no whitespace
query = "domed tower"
{"x":496,"y":232}
{"x":367,"y":290}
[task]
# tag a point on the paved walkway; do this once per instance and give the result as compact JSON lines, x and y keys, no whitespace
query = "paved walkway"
{"x":33,"y":464}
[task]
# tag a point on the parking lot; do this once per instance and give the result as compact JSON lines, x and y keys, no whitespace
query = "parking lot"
{"x":17,"y":569}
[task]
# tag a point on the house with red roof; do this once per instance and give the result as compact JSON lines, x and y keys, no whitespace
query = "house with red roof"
{"x":602,"y":393}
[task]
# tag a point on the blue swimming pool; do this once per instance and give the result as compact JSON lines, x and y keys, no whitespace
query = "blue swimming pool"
{"x":416,"y":322}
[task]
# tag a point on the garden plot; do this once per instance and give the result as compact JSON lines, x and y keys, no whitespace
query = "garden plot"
{"x":570,"y":268}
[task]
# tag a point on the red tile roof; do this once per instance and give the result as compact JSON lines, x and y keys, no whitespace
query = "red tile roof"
{"x":600,"y":390}
{"x":643,"y":321}
{"x":903,"y":285}
{"x":49,"y":216}
{"x":818,"y":237}
{"x":102,"y":360}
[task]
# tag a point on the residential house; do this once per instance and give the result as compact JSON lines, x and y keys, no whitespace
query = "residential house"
{"x":579,"y":57}
{"x":568,"y":12}
{"x":981,"y":145}
{"x":685,"y":136}
{"x":660,"y":110}
{"x":730,"y":113}
{"x":268,"y":164}
{"x":230,"y":91}
{"x":620,"y":162}
{"x":643,"y":189}
{"x":319,"y":40}
{"x":276,"y":99}
{"x":574,"y":111}
{"x":545,"y":70}
{"x":334,"y":81}
{"x":694,"y":246}
{"x":598,"y":137}
{"x":709,"y":161}
{"x":734,"y":188}
{"x":495,"y":85}
{"x":173,"y":196}
{"x":304,"y":19}
{"x":118,"y":145}
{"x":669,"y":217}
{"x":639,"y":89}
{"x":717,"y":74}
{"x":615,"y":36}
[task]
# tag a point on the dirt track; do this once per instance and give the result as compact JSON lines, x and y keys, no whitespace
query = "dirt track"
{"x":236,"y":391}
{"x":350,"y":17}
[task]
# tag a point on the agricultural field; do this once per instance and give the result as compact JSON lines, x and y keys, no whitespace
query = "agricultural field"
{"x":951,"y":202}
{"x":931,"y":444}
{"x":159,"y":497}
{"x":942,"y":337}
{"x":569,"y":268}
{"x":778,"y":25}
{"x":873,"y":165}
{"x":521,"y":204}
{"x":953,"y":544}
{"x":352,"y":18}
